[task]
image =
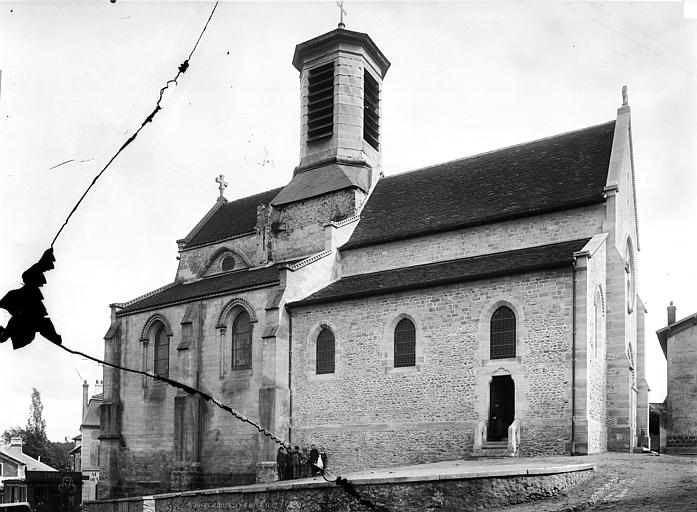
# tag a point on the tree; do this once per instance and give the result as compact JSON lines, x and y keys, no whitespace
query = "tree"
{"x":35,"y":443}
{"x":36,"y":422}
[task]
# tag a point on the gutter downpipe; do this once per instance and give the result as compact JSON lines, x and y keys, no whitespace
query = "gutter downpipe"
{"x":573,"y":359}
{"x":290,"y":373}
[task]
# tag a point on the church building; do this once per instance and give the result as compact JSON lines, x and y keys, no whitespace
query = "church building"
{"x":482,"y":306}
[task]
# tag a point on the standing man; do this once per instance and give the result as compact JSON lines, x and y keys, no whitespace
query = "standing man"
{"x":314,"y":455}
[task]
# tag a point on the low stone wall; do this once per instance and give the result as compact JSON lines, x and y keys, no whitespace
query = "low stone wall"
{"x":454,"y":492}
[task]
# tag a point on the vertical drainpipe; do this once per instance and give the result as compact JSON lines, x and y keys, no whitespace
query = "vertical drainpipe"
{"x":290,"y":372}
{"x":573,"y":359}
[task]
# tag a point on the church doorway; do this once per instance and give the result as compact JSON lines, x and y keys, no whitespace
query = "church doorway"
{"x":501,"y":407}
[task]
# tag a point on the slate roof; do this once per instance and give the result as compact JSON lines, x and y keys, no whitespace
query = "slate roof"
{"x":447,"y":272}
{"x":22,"y":458}
{"x":560,"y":172}
{"x":232,"y":218}
{"x":322,"y":180}
{"x":92,"y":415}
{"x":220,"y":284}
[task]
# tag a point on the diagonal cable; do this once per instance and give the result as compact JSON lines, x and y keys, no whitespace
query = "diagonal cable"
{"x":344,"y":483}
{"x":182,"y":69}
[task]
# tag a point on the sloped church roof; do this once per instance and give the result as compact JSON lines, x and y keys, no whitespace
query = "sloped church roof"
{"x":551,"y":174}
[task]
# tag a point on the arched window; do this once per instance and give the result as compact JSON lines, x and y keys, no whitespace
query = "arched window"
{"x":241,"y":342}
{"x":404,"y":344}
{"x":502,"y":334}
{"x":325,"y":352}
{"x":161,"y":352}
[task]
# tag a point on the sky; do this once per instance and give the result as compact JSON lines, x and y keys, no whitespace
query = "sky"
{"x":466,"y":77}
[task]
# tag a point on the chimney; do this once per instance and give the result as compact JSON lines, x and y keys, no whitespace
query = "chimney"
{"x":98,"y":387}
{"x":16,"y":444}
{"x":85,"y":393}
{"x":671,"y":313}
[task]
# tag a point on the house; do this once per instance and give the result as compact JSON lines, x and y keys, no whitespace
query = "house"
{"x":486,"y":305}
{"x":85,"y":456}
{"x":678,"y":341}
{"x":14,"y":465}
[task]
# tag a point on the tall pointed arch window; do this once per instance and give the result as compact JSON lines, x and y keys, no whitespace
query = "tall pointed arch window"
{"x":241,"y":342}
{"x":404,"y":344}
{"x":161,"y":352}
{"x":326,"y":348}
{"x":502,"y":334}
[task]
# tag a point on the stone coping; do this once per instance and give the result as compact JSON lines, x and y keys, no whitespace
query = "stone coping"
{"x":454,"y":470}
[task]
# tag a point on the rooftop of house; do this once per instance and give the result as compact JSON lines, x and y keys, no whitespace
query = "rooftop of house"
{"x":674,"y":328}
{"x":14,"y":452}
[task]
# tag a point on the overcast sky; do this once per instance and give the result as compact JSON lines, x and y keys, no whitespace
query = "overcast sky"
{"x":79,"y":78}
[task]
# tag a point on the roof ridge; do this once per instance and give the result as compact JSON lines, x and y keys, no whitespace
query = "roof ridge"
{"x":491,"y":151}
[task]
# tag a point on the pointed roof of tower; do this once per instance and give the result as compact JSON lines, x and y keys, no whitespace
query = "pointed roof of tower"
{"x":322,"y":43}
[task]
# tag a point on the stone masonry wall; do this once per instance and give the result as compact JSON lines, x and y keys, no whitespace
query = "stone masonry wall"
{"x":229,"y":450}
{"x":682,"y":391}
{"x":502,"y":236}
{"x":595,"y":352}
{"x":194,"y":261}
{"x":304,"y":221}
{"x":347,"y":141}
{"x":447,"y":495}
{"x":368,"y":408}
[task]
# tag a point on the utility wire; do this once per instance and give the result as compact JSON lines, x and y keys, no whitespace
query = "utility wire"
{"x":647,"y":48}
{"x":182,"y":69}
{"x":345,"y":484}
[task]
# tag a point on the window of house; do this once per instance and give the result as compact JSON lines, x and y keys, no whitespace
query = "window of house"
{"x":228,"y":263}
{"x":161,"y":352}
{"x":320,"y":102}
{"x":404,"y":344}
{"x":502,"y":334}
{"x":371,"y":109}
{"x":325,"y":352}
{"x":241,"y":342}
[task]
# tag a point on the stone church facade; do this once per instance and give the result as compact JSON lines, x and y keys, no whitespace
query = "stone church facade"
{"x":486,"y":305}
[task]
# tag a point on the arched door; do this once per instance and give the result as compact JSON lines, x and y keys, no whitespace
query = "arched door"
{"x":501,"y":407}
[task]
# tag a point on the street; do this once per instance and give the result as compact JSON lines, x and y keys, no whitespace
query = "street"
{"x":628,"y":483}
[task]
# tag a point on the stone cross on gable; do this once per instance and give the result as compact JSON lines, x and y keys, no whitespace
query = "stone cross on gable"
{"x":342,"y":11}
{"x":222,"y":186}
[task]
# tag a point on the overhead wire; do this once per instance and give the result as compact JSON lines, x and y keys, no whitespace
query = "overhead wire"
{"x":647,"y":48}
{"x":341,"y":482}
{"x":180,"y":70}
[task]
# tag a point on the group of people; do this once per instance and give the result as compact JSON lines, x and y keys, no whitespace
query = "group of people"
{"x":294,"y":462}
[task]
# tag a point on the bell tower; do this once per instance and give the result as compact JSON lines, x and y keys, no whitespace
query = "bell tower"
{"x":341,"y":75}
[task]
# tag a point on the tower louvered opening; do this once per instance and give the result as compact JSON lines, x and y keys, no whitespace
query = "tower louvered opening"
{"x":371,"y":110}
{"x":320,"y":102}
